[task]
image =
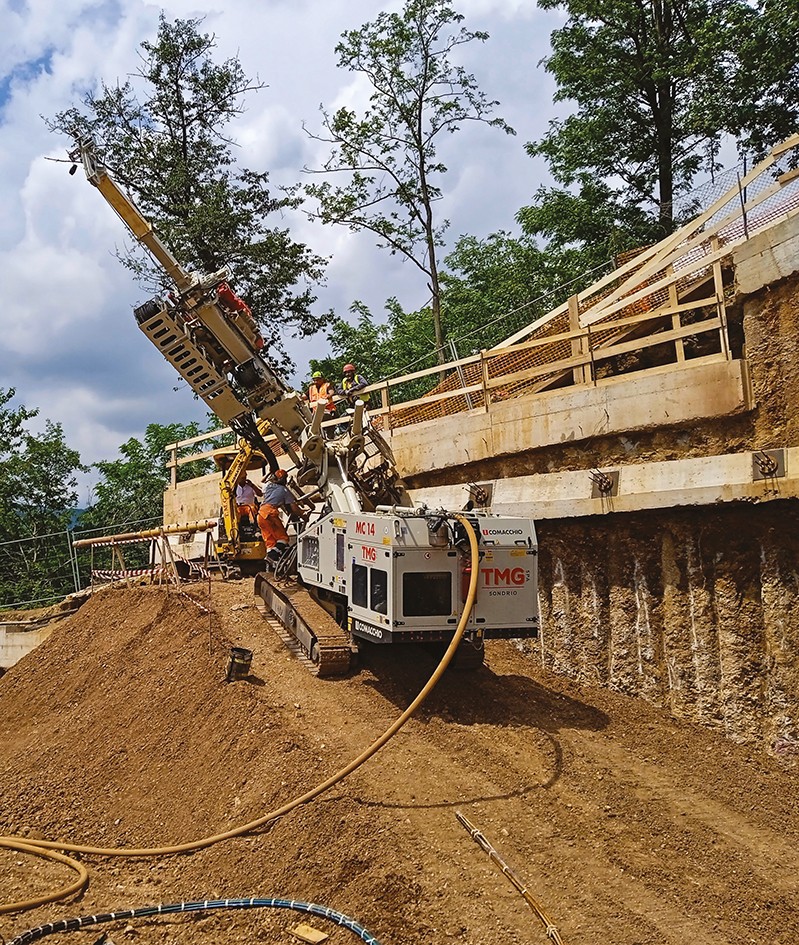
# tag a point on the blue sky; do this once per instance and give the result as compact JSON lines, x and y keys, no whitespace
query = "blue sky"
{"x":68,"y":341}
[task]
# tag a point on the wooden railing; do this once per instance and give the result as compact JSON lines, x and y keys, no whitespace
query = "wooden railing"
{"x":667,"y":305}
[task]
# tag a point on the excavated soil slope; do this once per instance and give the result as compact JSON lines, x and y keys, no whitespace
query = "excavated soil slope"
{"x":631,"y":828}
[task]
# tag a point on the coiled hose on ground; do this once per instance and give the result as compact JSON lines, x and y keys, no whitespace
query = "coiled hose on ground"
{"x":74,"y":925}
{"x":49,"y":848}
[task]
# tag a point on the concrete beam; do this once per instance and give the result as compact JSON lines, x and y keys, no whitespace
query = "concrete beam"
{"x":707,"y":480}
{"x":767,"y":257}
{"x":676,"y":394}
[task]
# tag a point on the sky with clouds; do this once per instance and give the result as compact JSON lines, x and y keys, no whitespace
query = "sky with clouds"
{"x":68,"y":340}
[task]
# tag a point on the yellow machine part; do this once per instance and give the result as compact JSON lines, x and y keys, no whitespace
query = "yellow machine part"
{"x":234,"y":463}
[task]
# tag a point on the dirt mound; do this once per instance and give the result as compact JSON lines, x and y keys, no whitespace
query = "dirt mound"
{"x":120,"y":730}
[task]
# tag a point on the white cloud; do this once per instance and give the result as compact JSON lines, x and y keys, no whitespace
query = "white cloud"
{"x":68,"y":341}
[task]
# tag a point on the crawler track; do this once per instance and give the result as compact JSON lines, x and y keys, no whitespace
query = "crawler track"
{"x":305,"y":627}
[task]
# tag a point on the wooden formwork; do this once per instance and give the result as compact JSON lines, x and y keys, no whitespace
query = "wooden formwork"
{"x":664,"y":304}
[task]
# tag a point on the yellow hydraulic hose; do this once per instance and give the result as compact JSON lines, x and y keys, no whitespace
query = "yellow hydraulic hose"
{"x":39,"y":846}
{"x":29,"y":847}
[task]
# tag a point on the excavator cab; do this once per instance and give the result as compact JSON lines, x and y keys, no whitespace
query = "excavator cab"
{"x":239,"y":540}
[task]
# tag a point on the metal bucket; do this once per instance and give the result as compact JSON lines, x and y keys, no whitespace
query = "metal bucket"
{"x":238,"y":666}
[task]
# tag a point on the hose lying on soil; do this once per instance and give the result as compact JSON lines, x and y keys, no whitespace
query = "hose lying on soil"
{"x":43,"y":847}
{"x":74,"y":925}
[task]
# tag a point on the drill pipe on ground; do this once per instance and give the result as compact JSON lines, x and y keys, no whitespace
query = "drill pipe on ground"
{"x":480,"y":840}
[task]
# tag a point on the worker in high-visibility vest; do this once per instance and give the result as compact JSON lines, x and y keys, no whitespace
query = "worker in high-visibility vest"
{"x":277,"y":496}
{"x":322,"y":389}
{"x":352,"y":385}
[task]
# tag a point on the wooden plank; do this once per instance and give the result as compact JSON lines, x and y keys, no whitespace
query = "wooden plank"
{"x":718,"y":284}
{"x":307,"y":933}
{"x":183,"y":460}
{"x":425,"y":372}
{"x":491,"y":353}
{"x":198,"y":439}
{"x":710,"y":324}
{"x":654,"y":258}
{"x":704,"y":262}
{"x":554,"y":367}
{"x":435,"y":398}
{"x":603,"y":354}
{"x":787,"y":145}
{"x":679,"y":347}
{"x":484,"y":380}
{"x":579,"y":346}
{"x":653,"y":315}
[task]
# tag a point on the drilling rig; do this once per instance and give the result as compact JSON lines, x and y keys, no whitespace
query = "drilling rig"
{"x":368,"y":565}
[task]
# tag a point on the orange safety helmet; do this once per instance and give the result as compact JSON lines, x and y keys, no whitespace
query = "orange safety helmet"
{"x":349,"y":367}
{"x":280,"y":475}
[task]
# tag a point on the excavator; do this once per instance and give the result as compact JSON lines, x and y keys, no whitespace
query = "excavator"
{"x":368,"y":566}
{"x":240,"y":543}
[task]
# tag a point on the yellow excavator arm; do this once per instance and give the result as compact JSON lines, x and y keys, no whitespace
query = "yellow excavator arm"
{"x":233,"y":546}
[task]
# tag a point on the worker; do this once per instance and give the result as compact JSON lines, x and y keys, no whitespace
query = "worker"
{"x":322,"y":389}
{"x":276,"y":496}
{"x":352,"y":385}
{"x":247,"y":495}
{"x":233,"y":306}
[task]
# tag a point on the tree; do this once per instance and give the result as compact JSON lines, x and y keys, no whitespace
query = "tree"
{"x":653,"y":88}
{"x":131,"y":489}
{"x":390,"y":152}
{"x":489,"y":288}
{"x":753,"y":85}
{"x":12,"y":433}
{"x":493,"y":286}
{"x":38,"y":497}
{"x":37,"y":474}
{"x":164,"y":136}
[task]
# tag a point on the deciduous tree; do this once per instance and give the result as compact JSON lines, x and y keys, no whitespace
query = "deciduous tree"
{"x":653,"y":89}
{"x":164,"y":134}
{"x":131,"y":488}
{"x":390,"y":151}
{"x":38,"y":498}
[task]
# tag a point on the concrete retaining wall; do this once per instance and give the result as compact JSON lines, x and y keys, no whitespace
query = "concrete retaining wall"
{"x":648,"y":400}
{"x":692,"y":608}
{"x":15,"y":643}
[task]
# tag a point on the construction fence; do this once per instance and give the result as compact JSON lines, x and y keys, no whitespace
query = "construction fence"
{"x":38,"y":571}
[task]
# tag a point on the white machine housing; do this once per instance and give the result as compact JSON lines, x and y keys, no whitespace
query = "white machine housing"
{"x":405,"y":580}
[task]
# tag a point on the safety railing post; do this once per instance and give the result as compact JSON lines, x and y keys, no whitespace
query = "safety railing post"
{"x":578,"y":342}
{"x":73,"y":561}
{"x":484,"y":378}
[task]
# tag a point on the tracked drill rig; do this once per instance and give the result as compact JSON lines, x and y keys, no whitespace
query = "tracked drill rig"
{"x":370,"y":566}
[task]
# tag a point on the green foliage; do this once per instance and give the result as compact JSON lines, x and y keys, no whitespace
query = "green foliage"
{"x":491,"y":288}
{"x":585,"y":230}
{"x":654,"y":88}
{"x":163,"y":135}
{"x":38,"y":495}
{"x":131,"y":488}
{"x":12,"y":433}
{"x":390,"y":152}
{"x":37,"y":474}
{"x":752,"y":88}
